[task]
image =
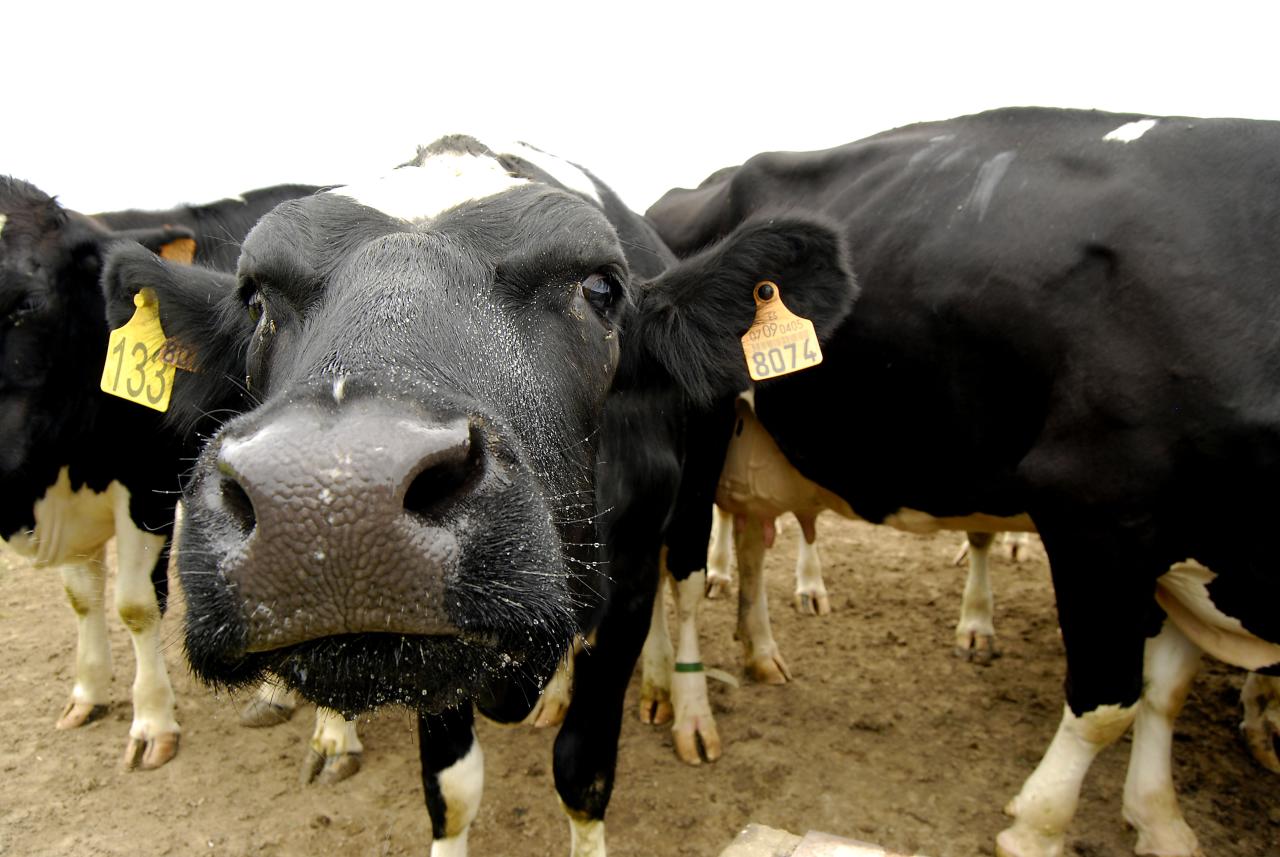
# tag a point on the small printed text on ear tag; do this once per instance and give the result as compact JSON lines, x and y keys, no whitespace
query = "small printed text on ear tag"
{"x":136,"y":368}
{"x":778,"y":342}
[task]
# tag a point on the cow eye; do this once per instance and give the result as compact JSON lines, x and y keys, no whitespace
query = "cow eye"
{"x":601,"y":291}
{"x":253,"y":302}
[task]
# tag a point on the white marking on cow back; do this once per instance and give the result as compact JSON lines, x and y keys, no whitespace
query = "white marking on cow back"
{"x":1130,"y":131}
{"x":570,"y":175}
{"x":443,"y":181}
{"x":1183,"y":593}
{"x":989,"y":176}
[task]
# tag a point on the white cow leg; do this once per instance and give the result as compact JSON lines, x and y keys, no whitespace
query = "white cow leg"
{"x":452,"y":778}
{"x":694,"y":726}
{"x":85,"y":585}
{"x":1048,"y":799}
{"x":657,"y":662}
{"x":719,"y":554}
{"x":811,"y":591}
{"x":1150,"y":803}
{"x":553,"y":702}
{"x":1260,"y":697}
{"x":334,"y":752}
{"x":586,"y":836}
{"x":976,"y":632}
{"x":272,"y":704}
{"x":153,"y":737}
{"x":763,"y":661}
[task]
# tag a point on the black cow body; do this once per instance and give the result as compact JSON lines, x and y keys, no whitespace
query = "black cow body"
{"x":432,"y":498}
{"x":1119,"y":272}
{"x":78,"y":466}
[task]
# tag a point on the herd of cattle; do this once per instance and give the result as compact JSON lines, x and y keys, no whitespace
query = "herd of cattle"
{"x":451,"y":429}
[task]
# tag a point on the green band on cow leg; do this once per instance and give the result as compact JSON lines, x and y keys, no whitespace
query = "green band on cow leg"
{"x":694,"y":667}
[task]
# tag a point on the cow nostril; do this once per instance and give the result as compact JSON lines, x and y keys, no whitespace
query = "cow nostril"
{"x":237,"y":505}
{"x":444,"y":476}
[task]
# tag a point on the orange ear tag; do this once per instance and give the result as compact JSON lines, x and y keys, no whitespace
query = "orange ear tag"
{"x":135,"y":368}
{"x":778,"y":342}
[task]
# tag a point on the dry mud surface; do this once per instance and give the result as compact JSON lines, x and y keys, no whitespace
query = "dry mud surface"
{"x":883,"y":735}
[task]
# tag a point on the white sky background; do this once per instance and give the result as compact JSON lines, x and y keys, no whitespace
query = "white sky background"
{"x":123,"y":105}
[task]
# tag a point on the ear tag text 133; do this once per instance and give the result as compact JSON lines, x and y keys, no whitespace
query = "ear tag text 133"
{"x":136,"y":368}
{"x":778,"y":342}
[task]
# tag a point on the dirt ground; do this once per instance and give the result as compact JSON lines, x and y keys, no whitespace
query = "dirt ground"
{"x":883,"y":735}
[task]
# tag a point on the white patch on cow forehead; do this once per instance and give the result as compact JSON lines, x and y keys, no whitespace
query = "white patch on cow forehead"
{"x":443,"y":182}
{"x":1131,"y":131}
{"x":562,"y":171}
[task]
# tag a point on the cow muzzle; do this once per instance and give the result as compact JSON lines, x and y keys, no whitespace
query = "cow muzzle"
{"x":343,"y":521}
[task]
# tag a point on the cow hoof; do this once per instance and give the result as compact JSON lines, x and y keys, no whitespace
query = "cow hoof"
{"x":326,"y":770}
{"x":259,"y":713}
{"x":1019,"y":842}
{"x":977,"y":648}
{"x":655,"y":710}
{"x":78,"y":714}
{"x":1173,"y":838}
{"x":768,"y":669}
{"x":718,"y":585}
{"x":813,"y":603}
{"x":150,"y":753}
{"x":697,"y":740}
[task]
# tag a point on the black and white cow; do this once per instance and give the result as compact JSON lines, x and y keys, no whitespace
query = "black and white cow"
{"x":78,"y":466}
{"x":466,"y":378}
{"x":1121,"y":272}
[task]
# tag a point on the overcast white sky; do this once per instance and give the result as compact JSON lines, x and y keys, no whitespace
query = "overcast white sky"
{"x":126,"y":105}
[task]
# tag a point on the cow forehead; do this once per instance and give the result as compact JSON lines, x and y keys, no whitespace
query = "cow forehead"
{"x":442,"y":180}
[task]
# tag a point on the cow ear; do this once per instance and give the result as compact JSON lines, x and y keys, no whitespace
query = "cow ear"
{"x":200,"y":310}
{"x":686,"y":326}
{"x":171,"y":242}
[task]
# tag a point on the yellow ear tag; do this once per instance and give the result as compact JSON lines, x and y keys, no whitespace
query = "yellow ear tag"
{"x":778,"y":342}
{"x":135,"y":368}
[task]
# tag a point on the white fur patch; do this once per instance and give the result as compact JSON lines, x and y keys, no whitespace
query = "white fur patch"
{"x":3,"y":220}
{"x":1130,"y":131}
{"x":562,"y":171}
{"x":444,"y":181}
{"x":70,"y":525}
{"x":461,"y":785}
{"x":1184,"y":594}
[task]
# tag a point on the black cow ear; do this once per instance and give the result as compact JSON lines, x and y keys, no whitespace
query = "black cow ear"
{"x":176,"y":243}
{"x":688,"y":323}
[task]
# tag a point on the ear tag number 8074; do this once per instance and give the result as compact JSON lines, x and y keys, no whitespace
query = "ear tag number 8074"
{"x":135,"y":368}
{"x":778,"y":342}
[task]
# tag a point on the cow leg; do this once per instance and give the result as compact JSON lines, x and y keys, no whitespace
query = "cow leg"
{"x":1017,"y":546}
{"x":271,"y":705}
{"x":553,"y":702}
{"x":452,"y":777}
{"x":334,"y":752}
{"x":719,"y":554}
{"x":693,"y":724}
{"x":153,"y":737}
{"x":586,"y":748}
{"x":1150,"y":803}
{"x":1107,"y":612}
{"x":1260,"y":697}
{"x":85,"y":585}
{"x":811,"y":591}
{"x":657,"y":662}
{"x":975,"y":632}
{"x":763,"y":661}
{"x":1048,"y":799}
